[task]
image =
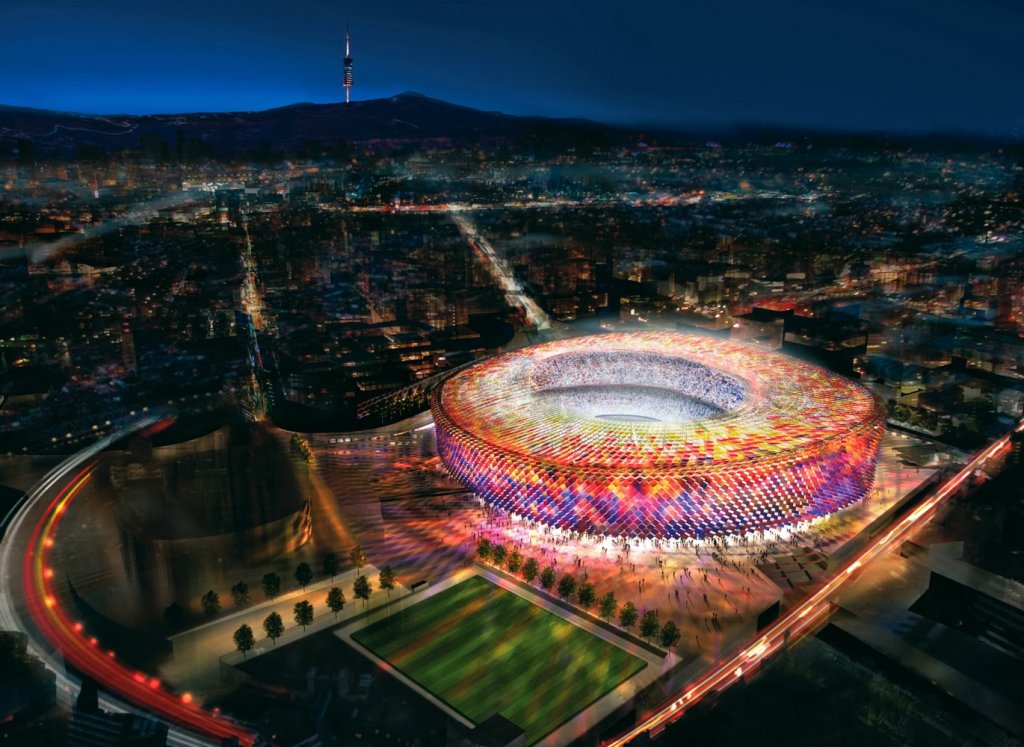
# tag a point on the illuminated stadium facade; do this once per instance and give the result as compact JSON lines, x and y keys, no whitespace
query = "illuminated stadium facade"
{"x":658,"y":435}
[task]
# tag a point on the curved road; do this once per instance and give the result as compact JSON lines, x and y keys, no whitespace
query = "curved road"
{"x":29,"y":602}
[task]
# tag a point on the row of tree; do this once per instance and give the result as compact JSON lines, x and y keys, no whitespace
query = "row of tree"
{"x":585,"y":595}
{"x":302,"y":447}
{"x":174,"y":615}
{"x":273,"y":625}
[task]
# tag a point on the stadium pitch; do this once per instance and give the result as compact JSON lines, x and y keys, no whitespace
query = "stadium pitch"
{"x":484,"y":650}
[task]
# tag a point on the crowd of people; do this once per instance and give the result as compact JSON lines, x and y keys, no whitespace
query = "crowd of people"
{"x":711,"y":588}
{"x":621,"y":403}
{"x":602,"y":373}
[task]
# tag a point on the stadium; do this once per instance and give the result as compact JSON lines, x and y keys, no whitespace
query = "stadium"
{"x":658,"y":435}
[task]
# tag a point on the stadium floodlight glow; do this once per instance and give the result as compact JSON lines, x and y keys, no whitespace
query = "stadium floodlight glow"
{"x":658,"y":435}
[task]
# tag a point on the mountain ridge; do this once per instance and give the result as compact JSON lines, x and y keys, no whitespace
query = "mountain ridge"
{"x":407,"y":116}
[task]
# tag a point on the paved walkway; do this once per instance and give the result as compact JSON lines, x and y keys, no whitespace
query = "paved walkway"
{"x":714,"y":592}
{"x":198,"y":652}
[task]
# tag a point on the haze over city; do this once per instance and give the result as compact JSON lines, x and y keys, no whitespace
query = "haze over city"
{"x":478,"y":374}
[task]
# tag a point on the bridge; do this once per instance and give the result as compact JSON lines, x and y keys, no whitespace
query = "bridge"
{"x":407,"y":401}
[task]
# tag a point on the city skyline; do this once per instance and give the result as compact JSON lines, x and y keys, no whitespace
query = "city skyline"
{"x":254,"y":407}
{"x":559,"y":374}
{"x":944,"y":67}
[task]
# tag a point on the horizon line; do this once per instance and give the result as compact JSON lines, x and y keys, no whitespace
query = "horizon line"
{"x":730,"y":127}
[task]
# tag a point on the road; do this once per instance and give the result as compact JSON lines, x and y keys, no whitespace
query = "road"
{"x":503,"y":276}
{"x":811,"y":612}
{"x":30,"y":602}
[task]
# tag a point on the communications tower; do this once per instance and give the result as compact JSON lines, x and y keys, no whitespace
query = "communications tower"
{"x":346,"y":78}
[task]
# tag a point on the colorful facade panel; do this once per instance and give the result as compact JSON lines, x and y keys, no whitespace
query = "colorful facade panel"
{"x":722,"y":437}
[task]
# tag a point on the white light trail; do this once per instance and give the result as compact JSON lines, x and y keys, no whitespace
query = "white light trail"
{"x":500,"y":271}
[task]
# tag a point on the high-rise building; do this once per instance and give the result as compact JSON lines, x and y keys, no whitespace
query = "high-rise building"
{"x":346,"y":79}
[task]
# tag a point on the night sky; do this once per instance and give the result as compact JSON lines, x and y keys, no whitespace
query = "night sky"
{"x":889,"y":65}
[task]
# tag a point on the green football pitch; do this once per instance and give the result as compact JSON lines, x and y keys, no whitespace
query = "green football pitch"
{"x":484,"y":650}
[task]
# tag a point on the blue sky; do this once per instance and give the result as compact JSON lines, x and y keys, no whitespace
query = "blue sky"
{"x":893,"y":65}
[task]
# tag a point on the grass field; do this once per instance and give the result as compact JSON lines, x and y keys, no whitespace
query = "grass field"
{"x":483,"y":650}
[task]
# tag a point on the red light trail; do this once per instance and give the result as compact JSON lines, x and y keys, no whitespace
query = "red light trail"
{"x":83,"y":651}
{"x":809,"y":613}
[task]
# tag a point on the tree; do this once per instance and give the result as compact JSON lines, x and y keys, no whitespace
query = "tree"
{"x":273,"y":626}
{"x":387,"y":580}
{"x":586,"y":595}
{"x":649,"y":625}
{"x":174,"y":615}
{"x":515,"y":561}
{"x":362,"y":589}
{"x":332,"y":565}
{"x":303,"y":613}
{"x":547,"y":578}
{"x":531,"y":568}
{"x":357,"y":558}
{"x":628,"y":615}
{"x":483,"y":549}
{"x":244,"y":639}
{"x":271,"y":585}
{"x":210,"y":603}
{"x":303,"y":574}
{"x":335,"y":600}
{"x":607,"y":606}
{"x":240,"y":594}
{"x":670,"y":634}
{"x":498,"y":555}
{"x":566,"y":586}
